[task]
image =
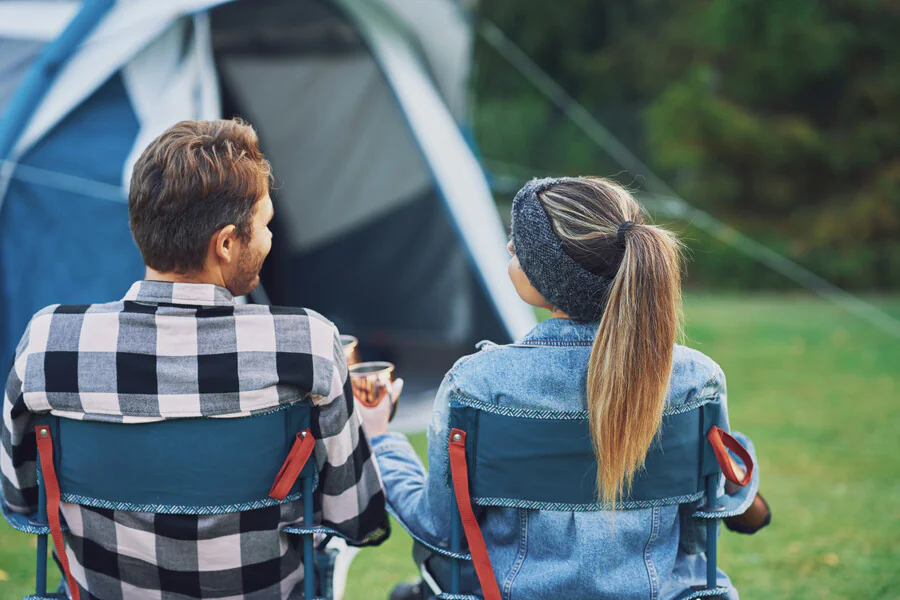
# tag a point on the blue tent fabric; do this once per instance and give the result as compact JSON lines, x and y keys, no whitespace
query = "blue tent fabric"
{"x":64,"y":234}
{"x":65,"y":226}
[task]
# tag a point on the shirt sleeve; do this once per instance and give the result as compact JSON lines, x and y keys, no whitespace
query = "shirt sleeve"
{"x":18,"y":457}
{"x":420,"y":499}
{"x":351,"y":499}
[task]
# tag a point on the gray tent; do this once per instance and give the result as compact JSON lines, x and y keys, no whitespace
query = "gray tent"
{"x":385,"y":222}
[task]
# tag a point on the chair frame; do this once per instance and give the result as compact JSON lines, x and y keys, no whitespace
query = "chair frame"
{"x":465,"y":417}
{"x":305,"y":483}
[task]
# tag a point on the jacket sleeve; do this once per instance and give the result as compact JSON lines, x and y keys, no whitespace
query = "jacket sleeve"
{"x":351,"y":499}
{"x":18,"y":456}
{"x":693,"y":530}
{"x":420,"y":499}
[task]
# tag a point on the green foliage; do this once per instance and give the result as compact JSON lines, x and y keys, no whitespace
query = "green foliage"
{"x":781,"y":118}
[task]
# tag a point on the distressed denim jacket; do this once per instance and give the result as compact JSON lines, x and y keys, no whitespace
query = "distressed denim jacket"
{"x":648,"y":553}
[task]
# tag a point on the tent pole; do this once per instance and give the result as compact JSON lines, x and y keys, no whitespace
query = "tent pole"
{"x":42,"y":73}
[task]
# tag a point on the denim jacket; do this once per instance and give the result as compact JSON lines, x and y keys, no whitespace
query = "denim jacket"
{"x":650,"y":553}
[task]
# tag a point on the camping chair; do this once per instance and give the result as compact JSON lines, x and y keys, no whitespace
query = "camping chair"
{"x":499,"y":457}
{"x":197,"y":466}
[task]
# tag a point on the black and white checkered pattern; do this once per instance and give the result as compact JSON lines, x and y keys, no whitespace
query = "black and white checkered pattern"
{"x":175,"y":350}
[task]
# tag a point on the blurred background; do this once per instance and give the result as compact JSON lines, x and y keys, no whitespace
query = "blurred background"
{"x":766,"y":133}
{"x":780,"y":118}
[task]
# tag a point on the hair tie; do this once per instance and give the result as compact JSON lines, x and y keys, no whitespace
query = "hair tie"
{"x":620,"y":235}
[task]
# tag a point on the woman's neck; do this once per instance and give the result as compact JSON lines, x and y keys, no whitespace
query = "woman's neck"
{"x":556,"y":313}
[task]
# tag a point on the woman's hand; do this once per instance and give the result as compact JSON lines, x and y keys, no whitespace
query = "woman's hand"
{"x":375,"y":419}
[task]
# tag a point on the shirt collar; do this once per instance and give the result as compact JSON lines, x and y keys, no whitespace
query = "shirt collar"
{"x":194,"y":294}
{"x":562,"y":332}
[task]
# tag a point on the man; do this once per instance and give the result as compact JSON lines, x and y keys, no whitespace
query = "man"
{"x":178,"y":346}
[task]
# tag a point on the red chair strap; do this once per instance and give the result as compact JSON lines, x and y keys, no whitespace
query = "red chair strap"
{"x":459,"y":471}
{"x":722,"y":441}
{"x":293,"y":464}
{"x":51,"y":487}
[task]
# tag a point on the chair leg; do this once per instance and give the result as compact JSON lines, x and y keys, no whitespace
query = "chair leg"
{"x":309,"y":557}
{"x":455,"y":546}
{"x":40,"y":573}
{"x":40,"y":587}
{"x":712,"y":484}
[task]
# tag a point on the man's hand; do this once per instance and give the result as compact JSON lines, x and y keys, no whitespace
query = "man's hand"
{"x":375,"y":419}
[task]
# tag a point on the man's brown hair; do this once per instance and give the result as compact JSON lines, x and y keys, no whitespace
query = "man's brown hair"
{"x":194,"y":179}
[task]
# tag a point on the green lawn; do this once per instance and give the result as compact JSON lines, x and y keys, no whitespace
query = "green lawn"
{"x":819,"y":392}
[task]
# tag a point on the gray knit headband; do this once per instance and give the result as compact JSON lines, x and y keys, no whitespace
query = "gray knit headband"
{"x":559,"y":278}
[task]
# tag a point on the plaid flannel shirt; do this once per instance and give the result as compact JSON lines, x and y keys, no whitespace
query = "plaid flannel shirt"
{"x":173,"y":350}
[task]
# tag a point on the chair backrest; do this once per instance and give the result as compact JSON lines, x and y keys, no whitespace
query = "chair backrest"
{"x":533,"y":462}
{"x":183,"y":466}
{"x":526,"y":459}
{"x":188,"y":466}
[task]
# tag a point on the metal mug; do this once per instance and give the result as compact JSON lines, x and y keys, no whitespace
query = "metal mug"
{"x":372,"y":382}
{"x":351,"y":349}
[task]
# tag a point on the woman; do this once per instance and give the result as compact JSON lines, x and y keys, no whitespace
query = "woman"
{"x":580,"y":248}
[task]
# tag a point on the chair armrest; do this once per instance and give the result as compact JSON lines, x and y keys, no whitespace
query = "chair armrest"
{"x":26,"y":523}
{"x":731,"y":505}
{"x":437,"y":549}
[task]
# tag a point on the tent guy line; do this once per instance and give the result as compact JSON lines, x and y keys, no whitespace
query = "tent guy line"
{"x":666,"y":198}
{"x":382,"y":74}
{"x":510,"y":177}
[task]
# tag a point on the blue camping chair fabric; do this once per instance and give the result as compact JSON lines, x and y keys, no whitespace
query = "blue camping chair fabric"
{"x":185,"y":466}
{"x":504,"y":458}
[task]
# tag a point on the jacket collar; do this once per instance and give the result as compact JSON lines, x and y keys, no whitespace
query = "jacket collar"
{"x":194,"y":294}
{"x":561,"y":332}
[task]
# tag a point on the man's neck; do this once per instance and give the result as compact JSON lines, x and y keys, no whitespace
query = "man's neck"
{"x":195,"y":277}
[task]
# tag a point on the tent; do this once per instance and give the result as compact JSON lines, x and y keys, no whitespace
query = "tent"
{"x":384,"y":219}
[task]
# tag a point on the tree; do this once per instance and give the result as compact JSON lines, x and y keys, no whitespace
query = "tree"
{"x":782,"y":118}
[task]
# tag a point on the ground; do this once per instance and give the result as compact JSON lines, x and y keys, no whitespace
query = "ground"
{"x":818,"y":390}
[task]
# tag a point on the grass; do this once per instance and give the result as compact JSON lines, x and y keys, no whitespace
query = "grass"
{"x":819,"y":393}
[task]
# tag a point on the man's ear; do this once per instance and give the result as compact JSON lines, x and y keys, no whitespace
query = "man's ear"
{"x":223,"y":243}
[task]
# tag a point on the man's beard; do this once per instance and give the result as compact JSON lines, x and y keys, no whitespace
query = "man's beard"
{"x":246,"y":277}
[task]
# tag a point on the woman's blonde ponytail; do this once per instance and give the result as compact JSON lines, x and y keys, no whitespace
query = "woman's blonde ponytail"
{"x":631,"y":357}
